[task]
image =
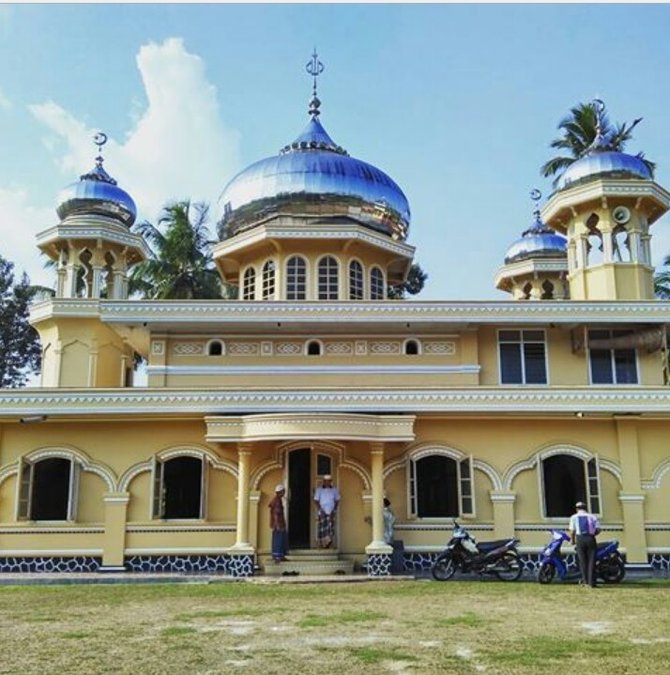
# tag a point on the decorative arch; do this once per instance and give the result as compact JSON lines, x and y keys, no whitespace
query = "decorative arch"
{"x":197,"y":452}
{"x":656,"y":477}
{"x":64,"y":452}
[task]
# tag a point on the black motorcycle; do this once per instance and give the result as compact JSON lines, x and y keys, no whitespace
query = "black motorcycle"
{"x":499,"y":558}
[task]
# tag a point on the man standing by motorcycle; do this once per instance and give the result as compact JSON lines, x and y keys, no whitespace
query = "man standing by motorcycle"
{"x":584,"y":527}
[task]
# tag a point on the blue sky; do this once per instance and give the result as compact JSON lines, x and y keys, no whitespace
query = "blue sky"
{"x":457,"y":103}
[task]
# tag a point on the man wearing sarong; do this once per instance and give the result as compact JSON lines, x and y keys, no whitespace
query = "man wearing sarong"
{"x":327,"y":498}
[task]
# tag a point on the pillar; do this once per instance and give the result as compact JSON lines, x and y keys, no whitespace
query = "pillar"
{"x":242,"y":530}
{"x":631,"y":496}
{"x":378,"y":552}
{"x":503,"y":513}
{"x":114,"y":542}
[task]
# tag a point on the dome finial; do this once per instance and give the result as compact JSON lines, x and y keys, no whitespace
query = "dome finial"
{"x":314,"y":68}
{"x":100,"y":139}
{"x":536,"y":195}
{"x":600,"y":142}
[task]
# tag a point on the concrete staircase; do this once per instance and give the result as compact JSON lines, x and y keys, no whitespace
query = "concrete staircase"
{"x":307,"y":562}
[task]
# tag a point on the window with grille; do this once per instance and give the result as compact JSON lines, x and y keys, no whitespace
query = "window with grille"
{"x":268,"y":285}
{"x":355,"y":281}
{"x":522,"y":357}
{"x":376,"y":284}
{"x":328,"y":279}
{"x":296,"y":279}
{"x":612,"y":366}
{"x":249,"y":284}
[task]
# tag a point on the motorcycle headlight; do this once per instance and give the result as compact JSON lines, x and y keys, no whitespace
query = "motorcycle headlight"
{"x":547,"y":551}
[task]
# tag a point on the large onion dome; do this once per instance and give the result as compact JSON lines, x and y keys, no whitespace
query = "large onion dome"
{"x":538,"y":241}
{"x":314,"y":175}
{"x":97,"y":193}
{"x":599,"y":160}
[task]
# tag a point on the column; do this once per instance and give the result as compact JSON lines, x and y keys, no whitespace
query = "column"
{"x":114,"y":542}
{"x":379,"y":553}
{"x":631,"y":496}
{"x":503,"y":513}
{"x":242,"y":532}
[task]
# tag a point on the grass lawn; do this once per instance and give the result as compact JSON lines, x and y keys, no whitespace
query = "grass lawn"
{"x":345,"y":628}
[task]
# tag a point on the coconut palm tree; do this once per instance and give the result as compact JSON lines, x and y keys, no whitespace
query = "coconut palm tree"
{"x":579,"y":130}
{"x":662,"y":281}
{"x":181,"y":267}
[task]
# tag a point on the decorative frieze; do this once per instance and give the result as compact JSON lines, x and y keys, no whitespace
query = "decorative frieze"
{"x":288,"y":348}
{"x":439,"y":348}
{"x":385,"y":347}
{"x":188,"y":348}
{"x":339,"y":348}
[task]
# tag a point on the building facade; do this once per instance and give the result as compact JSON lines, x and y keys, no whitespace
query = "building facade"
{"x":500,"y":414}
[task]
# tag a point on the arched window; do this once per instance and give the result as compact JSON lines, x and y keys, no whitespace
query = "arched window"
{"x":313,"y":348}
{"x":296,"y":279}
{"x":269,"y":280}
{"x":215,"y":348}
{"x":411,"y":347}
{"x":48,"y":489}
{"x":376,"y":284}
{"x":328,"y":278}
{"x":594,"y":245}
{"x":441,"y":487}
{"x":527,"y":290}
{"x":179,"y":488}
{"x":355,"y":280}
{"x":249,"y":284}
{"x":566,"y":480}
{"x":621,"y":244}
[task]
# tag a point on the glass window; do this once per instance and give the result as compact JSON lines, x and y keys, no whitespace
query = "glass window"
{"x":522,"y":357}
{"x":269,"y":280}
{"x":296,"y":279}
{"x":615,"y":365}
{"x":355,"y":281}
{"x":249,"y":284}
{"x":48,"y":489}
{"x":328,"y":279}
{"x":376,"y":284}
{"x":215,"y":348}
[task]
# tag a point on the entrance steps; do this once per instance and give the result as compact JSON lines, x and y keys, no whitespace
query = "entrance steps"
{"x":307,"y":562}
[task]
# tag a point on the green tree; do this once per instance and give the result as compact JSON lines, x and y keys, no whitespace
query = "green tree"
{"x":662,"y":281}
{"x":20,"y":352}
{"x":578,"y":131}
{"x":181,"y":267}
{"x":416,"y":279}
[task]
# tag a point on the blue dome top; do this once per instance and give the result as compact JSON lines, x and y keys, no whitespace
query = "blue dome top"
{"x":604,"y":163}
{"x":315,"y":175}
{"x":96,"y":193}
{"x":538,"y":241}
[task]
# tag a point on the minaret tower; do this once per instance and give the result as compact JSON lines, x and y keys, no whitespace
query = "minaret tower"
{"x":536,"y":264}
{"x":93,"y":250}
{"x":605,"y":203}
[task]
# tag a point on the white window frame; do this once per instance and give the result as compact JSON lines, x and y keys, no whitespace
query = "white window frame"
{"x":158,"y":493}
{"x":614,"y":382}
{"x":249,"y":284}
{"x":328,"y":272}
{"x":374,"y":283}
{"x":25,"y":488}
{"x":358,"y":283}
{"x":296,"y":278}
{"x":521,"y":342}
{"x":269,"y":280}
{"x":593,"y":497}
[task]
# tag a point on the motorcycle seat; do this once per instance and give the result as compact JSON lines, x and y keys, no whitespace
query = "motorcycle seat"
{"x":490,"y":545}
{"x":604,"y":544}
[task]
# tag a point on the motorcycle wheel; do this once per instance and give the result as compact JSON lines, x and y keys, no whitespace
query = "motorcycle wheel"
{"x":546,"y":573}
{"x":513,"y":567}
{"x":612,"y":571}
{"x":443,"y":568}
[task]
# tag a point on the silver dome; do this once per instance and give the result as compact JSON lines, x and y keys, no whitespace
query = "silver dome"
{"x":314,"y":175}
{"x":97,"y":193}
{"x":607,"y":163}
{"x":538,"y":241}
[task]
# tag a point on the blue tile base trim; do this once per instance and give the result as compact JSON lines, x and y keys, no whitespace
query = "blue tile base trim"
{"x":660,"y":561}
{"x":13,"y":565}
{"x":379,"y":565}
{"x":178,"y":563}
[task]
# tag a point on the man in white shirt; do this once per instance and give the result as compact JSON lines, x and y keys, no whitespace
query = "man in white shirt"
{"x":327,"y":498}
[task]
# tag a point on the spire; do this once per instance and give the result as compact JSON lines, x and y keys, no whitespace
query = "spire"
{"x":98,"y":172}
{"x":314,"y":68}
{"x":600,"y":142}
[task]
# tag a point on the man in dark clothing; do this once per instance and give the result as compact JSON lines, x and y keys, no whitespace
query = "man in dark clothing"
{"x":278,"y":525}
{"x":584,"y":527}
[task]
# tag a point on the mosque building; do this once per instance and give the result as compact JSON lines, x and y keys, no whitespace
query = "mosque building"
{"x":498,"y":414}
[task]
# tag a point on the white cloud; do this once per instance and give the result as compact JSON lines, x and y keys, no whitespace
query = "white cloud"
{"x":178,"y":147}
{"x":5,"y":103}
{"x":18,"y":224}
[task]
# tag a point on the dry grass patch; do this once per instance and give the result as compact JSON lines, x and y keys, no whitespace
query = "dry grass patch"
{"x":376,"y":627}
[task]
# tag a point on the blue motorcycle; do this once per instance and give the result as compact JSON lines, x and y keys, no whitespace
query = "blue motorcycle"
{"x":609,"y":562}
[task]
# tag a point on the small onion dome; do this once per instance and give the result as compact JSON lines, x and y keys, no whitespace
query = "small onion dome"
{"x":608,"y":163}
{"x":538,"y":241}
{"x":97,"y":193}
{"x":315,"y":175}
